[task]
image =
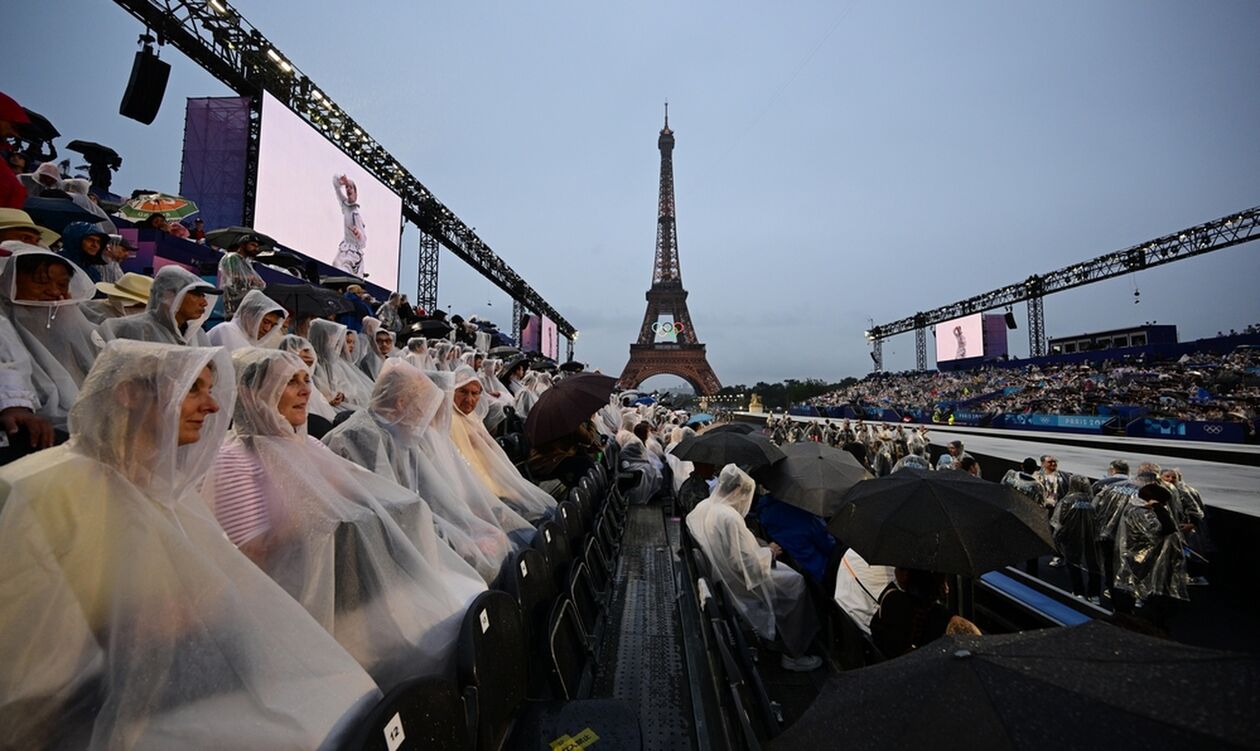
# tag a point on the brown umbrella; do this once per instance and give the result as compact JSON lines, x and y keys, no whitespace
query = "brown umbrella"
{"x":565,"y":406}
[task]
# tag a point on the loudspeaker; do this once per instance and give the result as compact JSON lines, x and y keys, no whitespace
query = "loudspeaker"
{"x":1010,"y":320}
{"x":145,"y":90}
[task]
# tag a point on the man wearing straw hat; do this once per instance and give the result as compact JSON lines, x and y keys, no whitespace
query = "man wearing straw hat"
{"x":16,"y":224}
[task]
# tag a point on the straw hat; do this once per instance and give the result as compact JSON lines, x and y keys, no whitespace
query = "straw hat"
{"x":132,"y":287}
{"x":17,"y":218}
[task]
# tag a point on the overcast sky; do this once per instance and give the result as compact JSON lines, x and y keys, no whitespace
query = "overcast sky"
{"x":835,"y":162}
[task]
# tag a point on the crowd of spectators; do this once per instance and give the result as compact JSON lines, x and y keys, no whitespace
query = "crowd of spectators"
{"x":241,"y":535}
{"x":1200,"y":386}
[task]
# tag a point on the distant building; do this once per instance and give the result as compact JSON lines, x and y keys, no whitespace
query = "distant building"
{"x":1136,"y":336}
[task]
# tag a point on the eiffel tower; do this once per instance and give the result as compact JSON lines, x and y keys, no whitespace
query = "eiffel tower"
{"x":679,"y":353}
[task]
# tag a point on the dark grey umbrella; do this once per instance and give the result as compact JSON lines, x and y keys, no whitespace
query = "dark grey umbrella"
{"x":56,"y":213}
{"x":565,"y":406}
{"x":226,"y":237}
{"x":948,"y":522}
{"x":733,"y":427}
{"x":308,"y":300}
{"x":1093,"y":686}
{"x":727,"y":447}
{"x":813,"y":477}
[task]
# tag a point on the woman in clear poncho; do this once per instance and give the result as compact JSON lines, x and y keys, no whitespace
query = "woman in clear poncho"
{"x":635,"y":457}
{"x":336,"y":370}
{"x":532,"y":387}
{"x":772,"y":599}
{"x":386,"y":439}
{"x":179,"y":303}
{"x":358,"y":552}
{"x":46,"y":337}
{"x":318,"y":404}
{"x":487,"y":458}
{"x":128,"y":621}
{"x":259,"y":322}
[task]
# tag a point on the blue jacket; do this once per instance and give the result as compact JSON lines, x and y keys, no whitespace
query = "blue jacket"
{"x":800,"y":533}
{"x":72,"y":248}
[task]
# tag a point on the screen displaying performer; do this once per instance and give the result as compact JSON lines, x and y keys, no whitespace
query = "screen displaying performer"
{"x":320,"y":202}
{"x":960,"y":339}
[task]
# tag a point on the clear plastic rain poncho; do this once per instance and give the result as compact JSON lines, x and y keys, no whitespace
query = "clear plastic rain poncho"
{"x":128,"y":621}
{"x":54,"y":335}
{"x":680,"y":468}
{"x":1075,"y":527}
{"x":370,"y":359}
{"x":242,"y":330}
{"x":534,"y":384}
{"x":1150,"y":555}
{"x":770,"y":598}
{"x":635,"y":457}
{"x":335,"y":370}
{"x":491,"y":464}
{"x":317,"y":404}
{"x":358,"y":552}
{"x":157,"y":324}
{"x":1109,"y":506}
{"x":418,"y":355}
{"x":385,"y":438}
{"x":438,"y":352}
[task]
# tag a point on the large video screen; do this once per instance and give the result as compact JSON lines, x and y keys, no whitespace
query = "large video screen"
{"x":960,"y":339}
{"x":318,"y":201}
{"x":550,"y":341}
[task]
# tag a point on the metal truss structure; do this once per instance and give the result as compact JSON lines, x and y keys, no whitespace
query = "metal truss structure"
{"x":427,"y":272}
{"x":216,"y":37}
{"x":1233,"y":229}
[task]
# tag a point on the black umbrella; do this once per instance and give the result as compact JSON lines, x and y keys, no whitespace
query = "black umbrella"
{"x":226,"y":237}
{"x":565,"y":406}
{"x":56,"y":213}
{"x":727,"y":447}
{"x":573,"y":366}
{"x":814,"y":477}
{"x":430,"y":328}
{"x":948,"y":522}
{"x":732,"y":427}
{"x":503,"y":351}
{"x":1090,"y":686}
{"x":308,"y":300}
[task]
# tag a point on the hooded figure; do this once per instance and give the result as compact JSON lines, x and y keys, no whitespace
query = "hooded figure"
{"x":179,"y":302}
{"x":418,"y":355}
{"x":359,"y":553}
{"x":336,"y":371}
{"x":387,"y":439}
{"x":772,"y":599}
{"x":46,"y":340}
{"x":1075,"y":529}
{"x":84,"y":245}
{"x":78,"y":189}
{"x":490,"y":462}
{"x":318,"y":404}
{"x":681,"y":469}
{"x":370,"y":358}
{"x":259,"y":322}
{"x":532,"y":387}
{"x":635,"y":457}
{"x":129,"y":621}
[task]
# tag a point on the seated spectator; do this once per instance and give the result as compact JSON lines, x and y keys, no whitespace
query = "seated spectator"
{"x":179,"y":303}
{"x":911,"y":612}
{"x":564,"y":461}
{"x":377,"y":343}
{"x":360,"y":554}
{"x":772,"y":599}
{"x":84,"y":246}
{"x":387,"y":438}
{"x":858,"y":586}
{"x":318,"y":404}
{"x":801,"y":534}
{"x":335,"y":368}
{"x":259,"y":322}
{"x":126,"y":297}
{"x":46,"y":346}
{"x":16,"y":224}
{"x":535,"y":383}
{"x":696,"y":487}
{"x":680,"y":470}
{"x":634,"y":457}
{"x":128,"y":617}
{"x":486,"y":457}
{"x":417,"y":353}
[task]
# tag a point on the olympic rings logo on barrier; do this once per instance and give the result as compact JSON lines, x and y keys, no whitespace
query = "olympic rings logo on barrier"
{"x":667,"y":328}
{"x":1214,"y":429}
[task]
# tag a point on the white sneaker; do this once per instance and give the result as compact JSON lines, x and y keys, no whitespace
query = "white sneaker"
{"x":801,"y":664}
{"x":1056,"y":562}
